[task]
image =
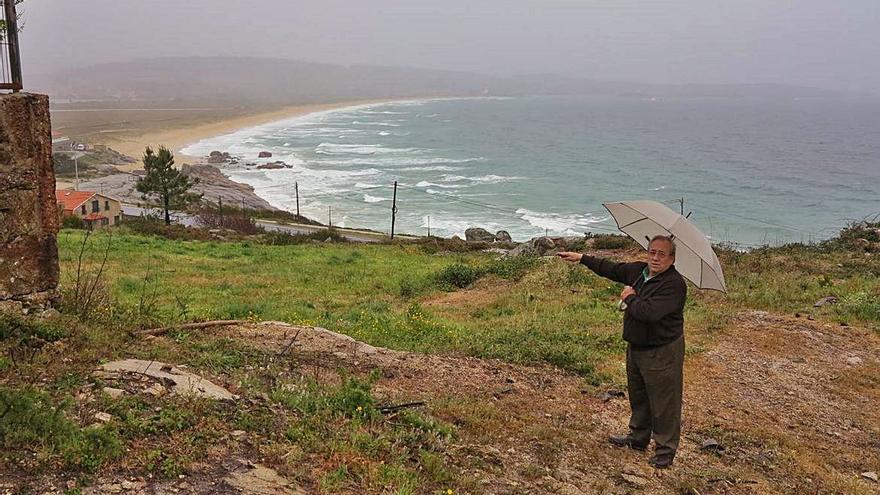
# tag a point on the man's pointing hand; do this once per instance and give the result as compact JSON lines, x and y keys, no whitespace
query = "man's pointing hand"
{"x":570,"y":256}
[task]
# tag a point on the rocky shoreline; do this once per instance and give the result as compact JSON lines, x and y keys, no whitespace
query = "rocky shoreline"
{"x":213,"y":186}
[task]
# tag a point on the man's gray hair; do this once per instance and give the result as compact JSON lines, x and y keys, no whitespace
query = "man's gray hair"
{"x":668,"y":239}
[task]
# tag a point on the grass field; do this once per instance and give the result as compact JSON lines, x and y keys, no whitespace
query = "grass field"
{"x":402,"y":297}
{"x":324,"y":432}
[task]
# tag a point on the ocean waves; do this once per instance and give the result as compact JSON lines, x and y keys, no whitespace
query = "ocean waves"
{"x":565,"y":223}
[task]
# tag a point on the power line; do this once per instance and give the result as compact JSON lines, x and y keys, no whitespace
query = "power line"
{"x":743,"y":217}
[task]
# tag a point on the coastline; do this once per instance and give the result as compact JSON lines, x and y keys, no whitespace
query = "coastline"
{"x":176,"y":138}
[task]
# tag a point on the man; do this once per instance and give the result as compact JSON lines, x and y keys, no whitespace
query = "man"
{"x":653,"y":327}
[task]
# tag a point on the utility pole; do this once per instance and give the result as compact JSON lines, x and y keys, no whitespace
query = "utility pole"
{"x":220,"y":200}
{"x":296,"y":188}
{"x":14,"y":66}
{"x":393,"y":209}
{"x":681,"y":202}
{"x":329,"y":217}
{"x":429,"y":225}
{"x":76,"y":172}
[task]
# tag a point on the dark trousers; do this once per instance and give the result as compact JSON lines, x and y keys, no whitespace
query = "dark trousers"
{"x":654,"y":381}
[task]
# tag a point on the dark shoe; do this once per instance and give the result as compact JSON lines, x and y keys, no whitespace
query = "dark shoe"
{"x":662,"y":461}
{"x":628,"y":442}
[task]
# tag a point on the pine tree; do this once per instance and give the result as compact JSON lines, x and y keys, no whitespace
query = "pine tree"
{"x":166,"y":182}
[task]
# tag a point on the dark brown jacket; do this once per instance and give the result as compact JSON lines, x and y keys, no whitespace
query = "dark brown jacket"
{"x":654,"y":315}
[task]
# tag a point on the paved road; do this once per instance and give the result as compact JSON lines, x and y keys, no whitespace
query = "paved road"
{"x":191,"y":221}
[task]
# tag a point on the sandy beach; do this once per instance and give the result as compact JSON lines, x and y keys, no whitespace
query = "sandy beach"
{"x":147,"y":127}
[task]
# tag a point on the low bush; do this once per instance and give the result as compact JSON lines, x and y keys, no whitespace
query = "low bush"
{"x":157,"y":227}
{"x":513,"y":267}
{"x":24,"y":337}
{"x":281,"y":238}
{"x":72,"y":222}
{"x":32,"y":426}
{"x":612,"y":241}
{"x":458,"y":275}
{"x":241,"y":222}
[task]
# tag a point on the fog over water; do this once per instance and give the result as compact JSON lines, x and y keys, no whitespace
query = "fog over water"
{"x":813,"y":43}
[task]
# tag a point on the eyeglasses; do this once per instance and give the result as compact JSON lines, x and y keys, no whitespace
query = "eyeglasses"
{"x":656,"y":252}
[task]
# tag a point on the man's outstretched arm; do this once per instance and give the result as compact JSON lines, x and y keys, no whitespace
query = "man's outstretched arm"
{"x":605,"y":268}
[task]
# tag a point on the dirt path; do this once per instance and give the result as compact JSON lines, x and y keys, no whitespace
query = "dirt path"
{"x":795,"y":404}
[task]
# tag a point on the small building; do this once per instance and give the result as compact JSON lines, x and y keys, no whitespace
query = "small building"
{"x":96,"y":210}
{"x":61,"y":144}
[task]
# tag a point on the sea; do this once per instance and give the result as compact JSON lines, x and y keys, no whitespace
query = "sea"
{"x":748,"y":171}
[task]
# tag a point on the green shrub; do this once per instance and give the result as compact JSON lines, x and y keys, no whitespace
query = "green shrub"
{"x":458,"y":275}
{"x":412,"y":286}
{"x":72,"y":222}
{"x":613,"y":241}
{"x":156,"y":227}
{"x":513,"y":267}
{"x":353,"y":398}
{"x":850,"y":236}
{"x":280,"y":238}
{"x":25,"y":337}
{"x":31,"y":423}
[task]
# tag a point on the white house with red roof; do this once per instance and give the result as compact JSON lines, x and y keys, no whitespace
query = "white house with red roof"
{"x":96,"y":210}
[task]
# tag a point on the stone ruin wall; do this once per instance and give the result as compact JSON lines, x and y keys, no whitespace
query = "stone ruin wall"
{"x":29,"y":219}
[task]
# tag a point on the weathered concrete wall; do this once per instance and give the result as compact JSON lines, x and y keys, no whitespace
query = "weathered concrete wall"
{"x":29,"y":218}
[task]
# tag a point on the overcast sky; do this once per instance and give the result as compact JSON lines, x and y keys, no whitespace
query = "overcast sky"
{"x":823,"y":43}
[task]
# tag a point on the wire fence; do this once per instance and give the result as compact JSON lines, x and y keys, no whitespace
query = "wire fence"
{"x":10,"y":56}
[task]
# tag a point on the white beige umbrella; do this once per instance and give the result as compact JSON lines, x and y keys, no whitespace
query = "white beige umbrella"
{"x":694,"y":257}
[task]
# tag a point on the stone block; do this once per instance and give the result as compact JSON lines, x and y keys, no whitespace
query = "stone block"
{"x":29,"y":219}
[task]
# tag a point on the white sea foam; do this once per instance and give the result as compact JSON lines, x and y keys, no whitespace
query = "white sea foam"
{"x":362,"y":149}
{"x":432,"y":168}
{"x":373,"y":199}
{"x":383,"y":112}
{"x":392,"y":162}
{"x":560,"y":223}
{"x":382,"y":124}
{"x":384,"y":133}
{"x":427,"y":184}
{"x":484,"y":179}
{"x":659,"y":188}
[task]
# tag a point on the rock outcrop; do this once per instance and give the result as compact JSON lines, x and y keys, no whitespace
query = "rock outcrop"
{"x":29,"y":219}
{"x":218,"y":157}
{"x":476,"y":234}
{"x":503,"y":236}
{"x":273,"y":166}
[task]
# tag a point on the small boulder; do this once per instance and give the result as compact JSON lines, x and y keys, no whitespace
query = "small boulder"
{"x":524,"y":249}
{"x":114,"y":393}
{"x":103,"y":417}
{"x":50,"y":314}
{"x":265,"y":154}
{"x":824,"y":301}
{"x":476,"y":234}
{"x":711,"y":445}
{"x":273,"y":166}
{"x":612,"y":394}
{"x":543,"y":245}
{"x":870,"y":475}
{"x":503,"y":236}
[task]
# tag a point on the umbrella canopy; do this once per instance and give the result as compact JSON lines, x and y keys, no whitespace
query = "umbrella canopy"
{"x":694,"y":257}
